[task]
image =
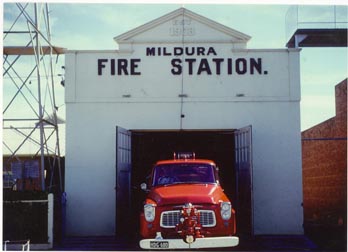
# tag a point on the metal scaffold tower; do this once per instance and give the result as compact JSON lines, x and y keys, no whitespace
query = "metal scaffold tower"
{"x":30,"y":120}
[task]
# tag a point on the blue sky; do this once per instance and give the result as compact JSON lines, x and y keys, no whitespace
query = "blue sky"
{"x":100,"y":23}
{"x":88,"y":26}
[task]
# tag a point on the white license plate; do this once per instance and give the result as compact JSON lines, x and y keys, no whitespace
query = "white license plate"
{"x":159,"y":244}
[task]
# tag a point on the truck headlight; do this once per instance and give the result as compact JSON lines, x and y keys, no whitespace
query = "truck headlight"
{"x":149,"y":212}
{"x":226,"y":210}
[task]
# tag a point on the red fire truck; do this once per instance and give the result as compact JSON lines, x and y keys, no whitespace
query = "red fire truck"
{"x":186,"y":207}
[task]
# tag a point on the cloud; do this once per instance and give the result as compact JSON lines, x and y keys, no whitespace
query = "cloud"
{"x":102,"y":23}
{"x":245,"y":18}
{"x":16,"y":138}
{"x":93,"y":26}
{"x":76,"y":41}
{"x":319,"y":15}
{"x":117,"y":16}
{"x":106,"y":21}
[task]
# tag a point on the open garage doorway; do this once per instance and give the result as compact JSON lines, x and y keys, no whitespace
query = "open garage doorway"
{"x":139,"y":150}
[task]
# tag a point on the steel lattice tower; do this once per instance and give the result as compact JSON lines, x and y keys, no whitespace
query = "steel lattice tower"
{"x":30,"y":121}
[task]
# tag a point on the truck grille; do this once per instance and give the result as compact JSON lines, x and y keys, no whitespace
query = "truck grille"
{"x":170,"y":218}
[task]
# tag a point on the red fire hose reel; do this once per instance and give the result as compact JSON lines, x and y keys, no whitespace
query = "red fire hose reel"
{"x":189,"y":227}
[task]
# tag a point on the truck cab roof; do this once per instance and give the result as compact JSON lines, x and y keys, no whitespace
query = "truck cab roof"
{"x":190,"y":161}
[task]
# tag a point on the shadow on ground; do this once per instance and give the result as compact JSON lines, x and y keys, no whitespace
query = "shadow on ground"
{"x":321,"y":242}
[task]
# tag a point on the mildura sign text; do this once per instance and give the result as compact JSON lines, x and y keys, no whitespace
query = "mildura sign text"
{"x":189,"y":60}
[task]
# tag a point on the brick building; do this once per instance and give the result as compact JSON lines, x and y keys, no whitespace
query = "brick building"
{"x":324,"y":157}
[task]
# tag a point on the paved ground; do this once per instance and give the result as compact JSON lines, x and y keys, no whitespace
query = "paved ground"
{"x":282,"y":243}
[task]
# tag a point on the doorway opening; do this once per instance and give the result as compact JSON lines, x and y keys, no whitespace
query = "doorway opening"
{"x":227,"y":148}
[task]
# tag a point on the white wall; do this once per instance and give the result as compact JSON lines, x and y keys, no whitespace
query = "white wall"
{"x":279,"y":80}
{"x":90,"y":167}
{"x":269,"y":102}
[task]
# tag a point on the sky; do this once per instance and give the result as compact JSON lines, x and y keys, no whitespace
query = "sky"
{"x":91,"y":26}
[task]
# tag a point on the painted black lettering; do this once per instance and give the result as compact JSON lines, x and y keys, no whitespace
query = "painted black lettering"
{"x":200,"y":51}
{"x":165,"y":53}
{"x":241,"y":66}
{"x":204,"y":66}
{"x":178,"y":51}
{"x":150,"y":51}
{"x":177,"y":68}
{"x":122,"y":66}
{"x":112,"y":66}
{"x":218,"y":62}
{"x":211,"y":50}
{"x":133,"y":66}
{"x":255,"y":65}
{"x":190,"y":62}
{"x":188,"y":52}
{"x":101,"y":65}
{"x":229,"y":66}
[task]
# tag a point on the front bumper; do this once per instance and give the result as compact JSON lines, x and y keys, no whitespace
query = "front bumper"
{"x":208,"y":242}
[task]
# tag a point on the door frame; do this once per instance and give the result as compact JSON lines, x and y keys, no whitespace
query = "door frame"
{"x":244,"y":178}
{"x":123,"y":179}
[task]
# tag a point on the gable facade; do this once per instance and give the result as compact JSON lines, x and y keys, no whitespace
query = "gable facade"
{"x":183,"y":72}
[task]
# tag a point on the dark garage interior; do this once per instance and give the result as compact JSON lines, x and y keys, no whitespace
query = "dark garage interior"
{"x":148,"y":147}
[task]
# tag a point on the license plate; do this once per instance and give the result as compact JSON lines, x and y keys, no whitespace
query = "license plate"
{"x":159,"y":244}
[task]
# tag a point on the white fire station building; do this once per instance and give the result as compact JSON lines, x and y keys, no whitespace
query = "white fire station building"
{"x":183,"y":82}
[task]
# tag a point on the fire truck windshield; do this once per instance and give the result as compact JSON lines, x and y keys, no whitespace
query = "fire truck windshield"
{"x":180,"y":173}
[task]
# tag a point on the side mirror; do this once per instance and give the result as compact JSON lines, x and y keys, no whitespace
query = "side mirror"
{"x":143,"y":186}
